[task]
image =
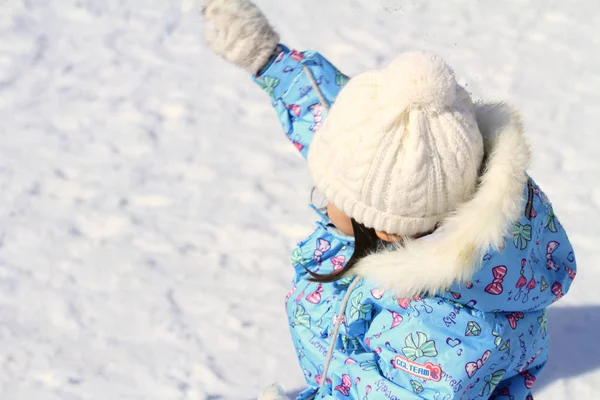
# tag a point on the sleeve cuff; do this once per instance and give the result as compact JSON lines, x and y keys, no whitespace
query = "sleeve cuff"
{"x":281,"y":71}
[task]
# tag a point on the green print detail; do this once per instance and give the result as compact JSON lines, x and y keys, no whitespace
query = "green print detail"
{"x":345,"y":281}
{"x":368,"y":365}
{"x":521,"y":235}
{"x":301,"y":317}
{"x":497,"y":339}
{"x":297,"y":257}
{"x":491,"y":382}
{"x":551,"y":221}
{"x":419,"y":348}
{"x":417,"y":387}
{"x":543,"y":321}
{"x":473,"y":329}
{"x":543,"y":285}
{"x":350,"y":343}
{"x":358,"y":310}
{"x":341,"y":79}
{"x":455,"y":304}
{"x":269,"y":84}
{"x":498,"y":342}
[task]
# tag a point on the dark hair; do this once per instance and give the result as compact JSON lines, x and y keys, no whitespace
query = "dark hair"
{"x":366,"y":242}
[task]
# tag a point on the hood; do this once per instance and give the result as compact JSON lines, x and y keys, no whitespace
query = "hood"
{"x":503,"y":250}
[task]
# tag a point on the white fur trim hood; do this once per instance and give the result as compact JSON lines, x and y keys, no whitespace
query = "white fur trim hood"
{"x":453,"y":252}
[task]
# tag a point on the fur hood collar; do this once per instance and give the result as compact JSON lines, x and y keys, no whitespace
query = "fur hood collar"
{"x":453,"y":252}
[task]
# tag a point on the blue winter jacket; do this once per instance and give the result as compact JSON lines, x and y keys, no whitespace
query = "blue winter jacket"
{"x":483,"y":336}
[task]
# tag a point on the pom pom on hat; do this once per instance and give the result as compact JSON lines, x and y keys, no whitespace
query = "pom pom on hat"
{"x":419,"y":79}
{"x":400,"y":149}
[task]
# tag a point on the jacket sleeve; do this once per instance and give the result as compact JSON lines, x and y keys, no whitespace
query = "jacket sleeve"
{"x":302,"y":87}
{"x":423,"y":356}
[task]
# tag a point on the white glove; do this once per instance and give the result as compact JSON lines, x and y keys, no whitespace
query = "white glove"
{"x":240,"y":33}
{"x":273,"y":392}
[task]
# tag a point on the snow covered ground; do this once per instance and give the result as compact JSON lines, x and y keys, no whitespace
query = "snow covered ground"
{"x":149,"y":202}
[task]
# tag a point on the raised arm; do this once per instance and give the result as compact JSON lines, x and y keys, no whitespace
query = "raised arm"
{"x":302,"y":85}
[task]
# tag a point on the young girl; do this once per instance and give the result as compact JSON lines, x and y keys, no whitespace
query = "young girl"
{"x":429,"y":275}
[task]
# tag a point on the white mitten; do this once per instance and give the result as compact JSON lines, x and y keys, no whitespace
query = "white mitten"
{"x":273,"y":392}
{"x":240,"y":33}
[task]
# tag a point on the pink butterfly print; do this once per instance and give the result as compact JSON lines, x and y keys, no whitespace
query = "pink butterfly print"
{"x":338,"y":262}
{"x":530,"y":361}
{"x":495,"y":288}
{"x":350,"y":361}
{"x":342,"y":319}
{"x":522,"y":281}
{"x":317,"y":111}
{"x":318,"y":378}
{"x":345,"y":386}
{"x":315,"y":297}
{"x":474,"y":366}
{"x":513,"y":318}
{"x":299,"y":298}
{"x":296,"y":142}
{"x":529,"y":379}
{"x":367,"y":391}
{"x":557,"y":291}
{"x":322,"y":246}
{"x":287,"y":297}
{"x":296,"y":56}
{"x":550,"y":264}
{"x":469,"y":285}
{"x":570,"y":272}
{"x":396,"y":319}
{"x":294,"y":108}
{"x":404,"y":302}
{"x":377,"y":293}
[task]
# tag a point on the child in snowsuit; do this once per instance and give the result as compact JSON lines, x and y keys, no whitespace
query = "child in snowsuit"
{"x":430,"y":273}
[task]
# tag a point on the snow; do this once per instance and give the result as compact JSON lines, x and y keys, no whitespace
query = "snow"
{"x":149,"y":202}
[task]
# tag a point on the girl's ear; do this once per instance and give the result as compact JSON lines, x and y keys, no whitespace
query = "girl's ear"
{"x":386,"y":237}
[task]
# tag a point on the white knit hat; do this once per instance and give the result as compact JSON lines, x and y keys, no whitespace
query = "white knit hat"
{"x":401,"y":148}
